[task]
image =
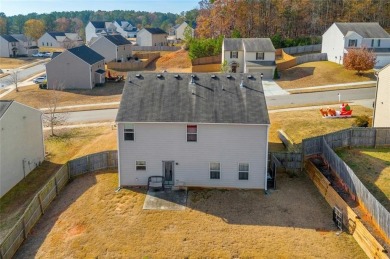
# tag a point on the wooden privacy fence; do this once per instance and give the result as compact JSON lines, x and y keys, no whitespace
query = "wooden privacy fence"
{"x":354,"y":137}
{"x":303,"y":49}
{"x":207,"y":60}
{"x":154,"y":48}
{"x":46,"y":195}
{"x":134,"y":65}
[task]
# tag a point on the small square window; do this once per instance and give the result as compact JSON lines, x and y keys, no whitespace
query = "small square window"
{"x":243,"y":171}
{"x":259,"y":55}
{"x":192,"y":133}
{"x":140,"y":165}
{"x":352,"y":43}
{"x":129,"y":132}
{"x":234,"y":54}
{"x":215,"y":170}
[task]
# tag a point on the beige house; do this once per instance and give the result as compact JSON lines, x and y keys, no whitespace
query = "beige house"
{"x":112,"y":47}
{"x":177,"y":32}
{"x":76,"y":68}
{"x":17,"y":45}
{"x":152,"y":37}
{"x":60,"y":40}
{"x":21,"y":143}
{"x":250,"y":55}
{"x":382,"y":99}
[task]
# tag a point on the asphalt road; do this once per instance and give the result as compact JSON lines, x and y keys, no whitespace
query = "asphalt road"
{"x":298,"y":99}
{"x":23,"y":74}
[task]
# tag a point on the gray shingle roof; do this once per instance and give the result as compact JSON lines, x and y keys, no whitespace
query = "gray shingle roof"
{"x":258,"y":44}
{"x":88,"y":55}
{"x":147,"y":98}
{"x":155,"y":30}
{"x":4,"y":104}
{"x":99,"y":24}
{"x":232,"y":44}
{"x":364,"y":29}
{"x":118,"y":40}
{"x":56,"y":34}
{"x":9,"y":38}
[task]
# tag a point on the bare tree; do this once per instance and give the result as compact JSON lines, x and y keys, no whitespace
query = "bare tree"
{"x":51,"y":116}
{"x":14,"y":75}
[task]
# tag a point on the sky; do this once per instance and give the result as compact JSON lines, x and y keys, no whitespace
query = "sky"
{"x":15,"y":7}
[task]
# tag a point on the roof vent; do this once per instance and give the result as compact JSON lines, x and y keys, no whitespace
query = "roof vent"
{"x":223,"y":88}
{"x":249,"y":76}
{"x":137,"y":75}
{"x":213,"y":76}
{"x":177,"y":76}
{"x":229,"y":76}
{"x":242,"y":83}
{"x":193,"y":76}
{"x":192,"y":82}
{"x":159,"y":76}
{"x":193,"y":92}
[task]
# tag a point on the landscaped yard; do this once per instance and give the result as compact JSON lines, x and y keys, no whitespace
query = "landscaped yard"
{"x":320,"y":73}
{"x":69,"y":144}
{"x":90,"y":220}
{"x":372,"y":166}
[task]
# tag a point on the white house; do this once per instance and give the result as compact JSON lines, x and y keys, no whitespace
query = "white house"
{"x":342,"y":36}
{"x":177,"y":31}
{"x":21,"y":143}
{"x":112,"y":47}
{"x":152,"y":37}
{"x":250,"y":55}
{"x":126,"y":29}
{"x":75,"y":68}
{"x":60,"y":40}
{"x":382,"y":98}
{"x":9,"y":46}
{"x":200,"y":130}
{"x":95,"y":29}
{"x":27,"y":46}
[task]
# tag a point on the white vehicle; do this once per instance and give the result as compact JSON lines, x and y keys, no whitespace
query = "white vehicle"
{"x":39,"y":79}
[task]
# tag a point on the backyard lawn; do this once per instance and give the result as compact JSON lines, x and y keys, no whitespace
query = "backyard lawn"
{"x":320,"y":73}
{"x":372,"y":166}
{"x":90,"y":220}
{"x":10,"y":63}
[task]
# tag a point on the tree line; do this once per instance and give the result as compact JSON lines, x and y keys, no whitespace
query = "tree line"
{"x":286,"y":19}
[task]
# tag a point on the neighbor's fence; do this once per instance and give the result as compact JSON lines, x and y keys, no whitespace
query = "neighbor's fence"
{"x":46,"y":195}
{"x":207,"y":60}
{"x":303,"y":49}
{"x":354,"y":137}
{"x":154,"y":48}
{"x":134,"y":65}
{"x":311,"y":58}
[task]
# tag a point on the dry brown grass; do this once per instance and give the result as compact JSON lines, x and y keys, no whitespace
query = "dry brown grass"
{"x":38,"y":98}
{"x":70,"y":143}
{"x":177,"y":61}
{"x":320,"y":73}
{"x":372,"y":166}
{"x":310,"y":90}
{"x":90,"y":220}
{"x":10,"y":63}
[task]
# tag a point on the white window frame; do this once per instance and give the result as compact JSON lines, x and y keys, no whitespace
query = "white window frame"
{"x":215,"y":170}
{"x":249,"y":166}
{"x":352,"y":41}
{"x":140,"y":165}
{"x":124,"y":131}
{"x":257,"y":55}
{"x":233,"y":52}
{"x":196,"y":134}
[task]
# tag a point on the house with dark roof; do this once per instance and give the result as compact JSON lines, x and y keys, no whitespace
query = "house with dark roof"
{"x":195,"y":130}
{"x":112,"y":47}
{"x":95,"y":29}
{"x":9,"y":46}
{"x":27,"y":46}
{"x":152,"y":37}
{"x":126,"y":29}
{"x":250,"y":55}
{"x":64,"y":40}
{"x":340,"y":37}
{"x":21,"y":142}
{"x":76,"y":68}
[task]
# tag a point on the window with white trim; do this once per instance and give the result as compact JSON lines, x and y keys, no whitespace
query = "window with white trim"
{"x":128,"y":132}
{"x":233,"y":54}
{"x":259,"y":55}
{"x":140,"y":165}
{"x":215,"y":170}
{"x":352,"y":43}
{"x":243,"y":171}
{"x":192,"y":133}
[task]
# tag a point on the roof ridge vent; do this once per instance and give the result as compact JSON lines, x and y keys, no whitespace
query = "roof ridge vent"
{"x":159,"y":76}
{"x":229,"y":76}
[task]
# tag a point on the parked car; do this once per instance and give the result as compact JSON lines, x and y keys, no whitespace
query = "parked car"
{"x":39,"y":79}
{"x":47,"y":55}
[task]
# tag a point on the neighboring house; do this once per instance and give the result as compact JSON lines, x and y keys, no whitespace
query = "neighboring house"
{"x":177,"y":32}
{"x":21,"y":142}
{"x":95,"y":29}
{"x":342,"y":36}
{"x":126,"y":29}
{"x":382,"y":99}
{"x":198,"y":130}
{"x":75,"y":68}
{"x":9,"y":46}
{"x":27,"y":46}
{"x":112,"y":47}
{"x":64,"y":40}
{"x":152,"y":37}
{"x":250,"y":55}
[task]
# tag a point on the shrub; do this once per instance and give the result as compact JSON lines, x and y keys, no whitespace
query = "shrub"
{"x":362,"y":121}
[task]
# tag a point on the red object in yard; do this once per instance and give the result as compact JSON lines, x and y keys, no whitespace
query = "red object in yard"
{"x":108,"y":73}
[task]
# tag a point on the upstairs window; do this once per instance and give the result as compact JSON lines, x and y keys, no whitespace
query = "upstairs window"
{"x":352,"y":43}
{"x":129,"y":132}
{"x":243,"y":171}
{"x":192,"y":133}
{"x":215,"y":170}
{"x":234,"y":54}
{"x":259,"y":55}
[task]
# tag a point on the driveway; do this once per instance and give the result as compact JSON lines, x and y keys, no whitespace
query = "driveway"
{"x":271,"y":88}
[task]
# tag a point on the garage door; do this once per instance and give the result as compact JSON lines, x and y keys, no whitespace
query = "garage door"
{"x":267,"y":73}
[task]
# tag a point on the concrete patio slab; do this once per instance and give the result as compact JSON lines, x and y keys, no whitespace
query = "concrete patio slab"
{"x":166,"y":200}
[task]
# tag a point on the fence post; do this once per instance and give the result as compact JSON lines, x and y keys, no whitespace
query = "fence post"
{"x":55,"y":183}
{"x":40,"y":203}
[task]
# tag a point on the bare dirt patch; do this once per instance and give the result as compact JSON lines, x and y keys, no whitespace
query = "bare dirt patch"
{"x":177,"y":61}
{"x":320,"y":73}
{"x":89,"y":220}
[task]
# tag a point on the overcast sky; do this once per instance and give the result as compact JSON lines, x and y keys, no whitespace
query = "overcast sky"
{"x":15,"y":7}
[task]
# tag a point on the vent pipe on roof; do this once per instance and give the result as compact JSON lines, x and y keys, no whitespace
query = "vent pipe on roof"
{"x":242,"y":83}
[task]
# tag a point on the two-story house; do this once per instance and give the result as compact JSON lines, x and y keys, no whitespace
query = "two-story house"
{"x":152,"y":37}
{"x":126,"y":29}
{"x":342,"y":36}
{"x":196,"y":130}
{"x":9,"y":46}
{"x":250,"y":55}
{"x":64,"y":40}
{"x":27,"y":46}
{"x":112,"y":47}
{"x":95,"y":29}
{"x":75,"y":68}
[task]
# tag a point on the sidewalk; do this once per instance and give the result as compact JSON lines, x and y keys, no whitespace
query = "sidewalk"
{"x":81,"y":106}
{"x":332,"y":86}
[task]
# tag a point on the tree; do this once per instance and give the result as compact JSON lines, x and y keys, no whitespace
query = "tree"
{"x":14,"y":79}
{"x":52,"y":117}
{"x":34,"y":28}
{"x":359,"y":59}
{"x":3,"y":25}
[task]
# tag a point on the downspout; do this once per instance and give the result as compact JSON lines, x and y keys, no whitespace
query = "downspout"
{"x":376,"y":96}
{"x":266,"y":160}
{"x":118,"y":145}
